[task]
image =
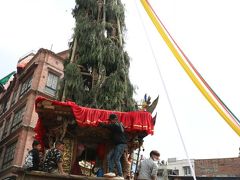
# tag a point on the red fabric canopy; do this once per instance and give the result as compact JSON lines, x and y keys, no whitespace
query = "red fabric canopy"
{"x":89,"y":117}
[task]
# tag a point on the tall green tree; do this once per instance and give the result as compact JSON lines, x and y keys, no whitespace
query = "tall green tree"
{"x":97,"y":73}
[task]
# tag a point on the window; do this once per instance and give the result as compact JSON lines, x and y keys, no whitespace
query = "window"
{"x":6,"y":128}
{"x":26,"y":86}
{"x":14,"y":97}
{"x":1,"y":130}
{"x":1,"y":153}
{"x":9,"y":155}
{"x":1,"y":150}
{"x":4,"y":105}
{"x":187,"y":170}
{"x":51,"y":86}
{"x":17,"y":119}
{"x":1,"y":108}
{"x":175,"y":172}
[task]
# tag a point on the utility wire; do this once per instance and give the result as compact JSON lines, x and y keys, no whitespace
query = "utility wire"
{"x":166,"y":92}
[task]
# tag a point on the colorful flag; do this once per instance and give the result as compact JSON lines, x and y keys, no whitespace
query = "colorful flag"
{"x":4,"y":81}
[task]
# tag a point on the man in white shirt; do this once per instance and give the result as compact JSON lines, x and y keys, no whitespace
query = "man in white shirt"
{"x":148,"y":168}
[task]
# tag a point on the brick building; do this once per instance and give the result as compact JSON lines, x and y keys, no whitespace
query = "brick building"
{"x":224,"y":167}
{"x":208,"y":169}
{"x":37,"y":74}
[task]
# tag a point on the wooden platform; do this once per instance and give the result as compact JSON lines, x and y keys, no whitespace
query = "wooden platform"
{"x":38,"y":175}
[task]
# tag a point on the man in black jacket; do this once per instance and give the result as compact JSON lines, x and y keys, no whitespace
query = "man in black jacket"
{"x":120,"y":144}
{"x":32,"y":161}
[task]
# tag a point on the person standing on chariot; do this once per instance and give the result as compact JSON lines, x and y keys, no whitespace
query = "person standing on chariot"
{"x":120,"y":145}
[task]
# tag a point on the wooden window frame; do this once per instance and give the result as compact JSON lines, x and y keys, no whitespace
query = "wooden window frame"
{"x":6,"y":128}
{"x":26,"y":85}
{"x":9,"y":155}
{"x":49,"y":85}
{"x":17,"y":119}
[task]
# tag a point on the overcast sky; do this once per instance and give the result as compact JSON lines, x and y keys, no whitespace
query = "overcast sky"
{"x":208,"y":33}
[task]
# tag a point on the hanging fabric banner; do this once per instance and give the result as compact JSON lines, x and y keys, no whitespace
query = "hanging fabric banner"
{"x":200,"y":83}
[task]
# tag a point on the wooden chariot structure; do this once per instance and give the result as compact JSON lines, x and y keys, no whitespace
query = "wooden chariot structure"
{"x":86,"y":144}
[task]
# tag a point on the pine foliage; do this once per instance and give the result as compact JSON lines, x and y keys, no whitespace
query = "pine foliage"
{"x":98,"y":75}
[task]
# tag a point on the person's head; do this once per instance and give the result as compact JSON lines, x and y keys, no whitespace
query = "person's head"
{"x":59,"y":145}
{"x":155,"y":155}
{"x":113,"y":117}
{"x":36,"y":145}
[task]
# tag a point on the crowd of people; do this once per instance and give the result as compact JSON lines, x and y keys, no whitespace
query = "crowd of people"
{"x":52,"y":161}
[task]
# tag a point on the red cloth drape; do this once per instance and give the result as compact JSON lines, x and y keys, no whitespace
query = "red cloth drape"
{"x":132,"y":121}
{"x":40,"y":132}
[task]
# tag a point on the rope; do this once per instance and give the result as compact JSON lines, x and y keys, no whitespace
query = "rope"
{"x":166,"y":92}
{"x":231,"y":122}
{"x":198,"y":74}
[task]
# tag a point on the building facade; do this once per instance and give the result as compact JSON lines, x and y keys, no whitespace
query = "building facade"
{"x":224,"y":167}
{"x":176,"y":167}
{"x":37,"y":75}
{"x":211,"y":169}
